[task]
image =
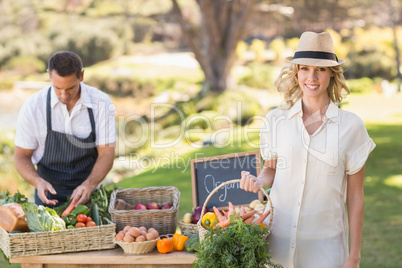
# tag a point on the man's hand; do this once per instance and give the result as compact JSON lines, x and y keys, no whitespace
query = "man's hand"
{"x":81,"y":194}
{"x":24,"y":166}
{"x":44,"y":188}
{"x":102,"y":166}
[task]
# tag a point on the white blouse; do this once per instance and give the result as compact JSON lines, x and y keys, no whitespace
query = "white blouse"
{"x":310,"y":226}
{"x":32,"y":128}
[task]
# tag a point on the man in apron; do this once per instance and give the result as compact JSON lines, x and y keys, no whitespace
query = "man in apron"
{"x":68,"y":131}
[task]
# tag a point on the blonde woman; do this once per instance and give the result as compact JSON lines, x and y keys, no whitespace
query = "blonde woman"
{"x":315,"y":156}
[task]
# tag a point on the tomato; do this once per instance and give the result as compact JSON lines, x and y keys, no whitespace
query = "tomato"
{"x":90,"y":223}
{"x":82,"y":218}
{"x":80,"y":225}
{"x":89,"y":219}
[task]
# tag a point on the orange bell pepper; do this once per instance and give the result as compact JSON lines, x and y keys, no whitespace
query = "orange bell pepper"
{"x":164,"y":245}
{"x":179,"y":241}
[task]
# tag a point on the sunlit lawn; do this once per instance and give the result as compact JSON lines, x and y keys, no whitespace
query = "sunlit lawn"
{"x":382,"y":234}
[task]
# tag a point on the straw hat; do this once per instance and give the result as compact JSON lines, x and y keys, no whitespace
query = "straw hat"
{"x":315,"y":49}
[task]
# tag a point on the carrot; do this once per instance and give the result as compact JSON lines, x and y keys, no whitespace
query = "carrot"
{"x":68,"y":209}
{"x":262,"y":218}
{"x":226,"y":213}
{"x":231,"y":210}
{"x":245,"y":215}
{"x":221,"y":218}
{"x":224,"y":223}
{"x":249,"y":220}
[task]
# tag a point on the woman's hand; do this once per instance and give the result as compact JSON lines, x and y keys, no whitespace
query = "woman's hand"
{"x":249,"y":182}
{"x":351,"y":263}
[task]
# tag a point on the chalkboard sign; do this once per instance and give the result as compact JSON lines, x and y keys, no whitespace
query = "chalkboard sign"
{"x":209,"y":172}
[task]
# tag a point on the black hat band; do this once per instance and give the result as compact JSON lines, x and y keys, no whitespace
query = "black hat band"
{"x":316,"y":55}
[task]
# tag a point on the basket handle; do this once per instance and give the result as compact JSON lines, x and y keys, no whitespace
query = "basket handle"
{"x":235,"y":181}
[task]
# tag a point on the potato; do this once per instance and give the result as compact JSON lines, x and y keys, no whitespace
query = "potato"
{"x":134,"y":231}
{"x":143,"y":228}
{"x":237,"y":210}
{"x":120,"y":236}
{"x":150,"y":236}
{"x":254,"y":203}
{"x":187,"y":218}
{"x":128,"y":238}
{"x":141,"y":238}
{"x":259,"y":207}
{"x":152,"y":230}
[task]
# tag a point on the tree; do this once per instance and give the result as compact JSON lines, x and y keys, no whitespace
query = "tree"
{"x":213,"y":40}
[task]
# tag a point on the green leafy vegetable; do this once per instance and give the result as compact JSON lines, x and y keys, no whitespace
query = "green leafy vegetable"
{"x":193,"y":243}
{"x":238,"y":245}
{"x":81,"y":209}
{"x":5,"y":198}
{"x":101,"y":198}
{"x":42,"y":219}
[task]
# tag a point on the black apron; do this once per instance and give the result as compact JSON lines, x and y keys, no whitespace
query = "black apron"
{"x":67,"y":160}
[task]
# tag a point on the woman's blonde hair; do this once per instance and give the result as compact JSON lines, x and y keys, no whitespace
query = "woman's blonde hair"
{"x":288,"y":85}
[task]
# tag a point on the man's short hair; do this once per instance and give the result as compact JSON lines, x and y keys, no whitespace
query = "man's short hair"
{"x":65,"y":63}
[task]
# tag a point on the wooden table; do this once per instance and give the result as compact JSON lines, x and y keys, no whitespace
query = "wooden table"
{"x":114,"y":258}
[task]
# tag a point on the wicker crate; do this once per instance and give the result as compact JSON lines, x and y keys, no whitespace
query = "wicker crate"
{"x":188,"y":229}
{"x":70,"y":240}
{"x":163,"y":220}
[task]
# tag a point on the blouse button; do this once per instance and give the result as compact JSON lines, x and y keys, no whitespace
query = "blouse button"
{"x":293,"y":245}
{"x":298,"y":203}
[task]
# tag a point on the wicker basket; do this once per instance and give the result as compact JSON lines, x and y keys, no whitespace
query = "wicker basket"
{"x":137,"y":247}
{"x":188,"y":229}
{"x":70,"y":240}
{"x":202,"y":231}
{"x":163,"y":220}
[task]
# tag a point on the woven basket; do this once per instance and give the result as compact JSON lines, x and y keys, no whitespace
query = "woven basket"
{"x":70,"y":240}
{"x":137,"y":247}
{"x":202,"y":231}
{"x":188,"y":229}
{"x":163,"y":220}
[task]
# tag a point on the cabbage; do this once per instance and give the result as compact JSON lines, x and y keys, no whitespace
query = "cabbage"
{"x":42,"y":219}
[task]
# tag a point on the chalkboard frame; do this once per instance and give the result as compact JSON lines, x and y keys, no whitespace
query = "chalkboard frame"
{"x":220,"y":158}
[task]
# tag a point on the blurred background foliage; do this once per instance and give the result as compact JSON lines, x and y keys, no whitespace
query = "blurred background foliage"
{"x":100,"y":30}
{"x":108,"y":33}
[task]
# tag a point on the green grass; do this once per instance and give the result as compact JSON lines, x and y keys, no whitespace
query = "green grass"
{"x":382,"y":234}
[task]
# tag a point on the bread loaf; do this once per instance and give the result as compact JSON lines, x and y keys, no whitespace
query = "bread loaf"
{"x":12,"y":218}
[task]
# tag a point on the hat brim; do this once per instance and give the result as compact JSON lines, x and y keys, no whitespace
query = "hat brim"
{"x":314,"y":62}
